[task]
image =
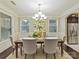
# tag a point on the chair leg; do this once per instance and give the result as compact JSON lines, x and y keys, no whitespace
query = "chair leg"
{"x":21,"y":50}
{"x":46,"y":55}
{"x":13,"y":51}
{"x":54,"y":56}
{"x":25,"y":56}
{"x":33,"y":56}
{"x":43,"y":50}
{"x":41,"y":45}
{"x":59,"y":47}
{"x":36,"y":51}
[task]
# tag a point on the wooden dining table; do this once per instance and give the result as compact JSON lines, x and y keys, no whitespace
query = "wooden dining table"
{"x":39,"y":41}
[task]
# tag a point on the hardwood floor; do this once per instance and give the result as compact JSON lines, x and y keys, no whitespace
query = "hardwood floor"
{"x":71,"y":52}
{"x":6,"y":53}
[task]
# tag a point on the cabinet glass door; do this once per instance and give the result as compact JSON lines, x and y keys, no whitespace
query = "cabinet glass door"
{"x":72,"y":29}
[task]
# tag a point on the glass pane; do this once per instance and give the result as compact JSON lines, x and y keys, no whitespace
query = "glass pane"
{"x":52,"y":26}
{"x":73,"y":32}
{"x":25,"y":26}
{"x":24,"y":23}
{"x":52,"y":21}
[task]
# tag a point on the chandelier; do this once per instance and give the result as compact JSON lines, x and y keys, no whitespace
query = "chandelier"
{"x":39,"y":15}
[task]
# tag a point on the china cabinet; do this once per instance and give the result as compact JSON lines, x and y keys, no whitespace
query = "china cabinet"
{"x":72,"y":29}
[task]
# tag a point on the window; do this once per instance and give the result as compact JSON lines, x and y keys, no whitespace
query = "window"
{"x":52,"y":26}
{"x":5,"y":26}
{"x":24,"y":26}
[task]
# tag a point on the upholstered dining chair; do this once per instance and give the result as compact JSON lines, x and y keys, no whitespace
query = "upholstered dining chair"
{"x":13,"y":46}
{"x":29,"y":46}
{"x":50,"y":47}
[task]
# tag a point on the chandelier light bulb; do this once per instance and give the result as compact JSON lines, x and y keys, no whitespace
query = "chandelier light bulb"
{"x":40,"y":13}
{"x":45,"y":17}
{"x":36,"y":15}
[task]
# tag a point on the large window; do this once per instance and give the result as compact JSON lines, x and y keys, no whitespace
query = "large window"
{"x":5,"y":26}
{"x":52,"y":26}
{"x":24,"y":26}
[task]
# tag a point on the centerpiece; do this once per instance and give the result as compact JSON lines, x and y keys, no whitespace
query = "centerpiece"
{"x":37,"y":34}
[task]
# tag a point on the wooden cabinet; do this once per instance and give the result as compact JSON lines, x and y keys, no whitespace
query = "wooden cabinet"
{"x":72,"y":29}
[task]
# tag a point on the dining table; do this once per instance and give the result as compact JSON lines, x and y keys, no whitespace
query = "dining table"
{"x":38,"y":40}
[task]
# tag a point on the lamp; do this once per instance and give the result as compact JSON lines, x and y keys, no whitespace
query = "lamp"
{"x":39,"y":15}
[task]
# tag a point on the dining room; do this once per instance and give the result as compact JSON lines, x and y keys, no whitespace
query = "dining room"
{"x":39,"y":29}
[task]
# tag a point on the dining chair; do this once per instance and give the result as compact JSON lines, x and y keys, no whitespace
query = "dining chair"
{"x":59,"y":44}
{"x":50,"y":47}
{"x":13,"y":46}
{"x":29,"y":46}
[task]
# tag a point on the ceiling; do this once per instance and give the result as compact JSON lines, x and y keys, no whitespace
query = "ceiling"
{"x":48,"y":7}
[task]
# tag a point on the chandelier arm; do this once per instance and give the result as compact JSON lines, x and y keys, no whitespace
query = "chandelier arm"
{"x":39,"y":15}
{"x":39,"y":7}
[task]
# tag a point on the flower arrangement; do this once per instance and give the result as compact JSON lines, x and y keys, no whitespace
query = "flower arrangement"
{"x":39,"y":28}
{"x":37,"y":34}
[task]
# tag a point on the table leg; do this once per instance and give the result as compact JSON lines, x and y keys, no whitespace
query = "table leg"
{"x":21,"y":49}
{"x":16,"y":50}
{"x":41,"y":45}
{"x":61,"y":49}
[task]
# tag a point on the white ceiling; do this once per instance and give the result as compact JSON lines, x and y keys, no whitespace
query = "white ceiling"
{"x":48,"y":7}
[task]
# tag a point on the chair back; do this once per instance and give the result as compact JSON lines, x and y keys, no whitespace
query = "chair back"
{"x":50,"y":45}
{"x":64,"y":38}
{"x":11,"y":39}
{"x":29,"y":46}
